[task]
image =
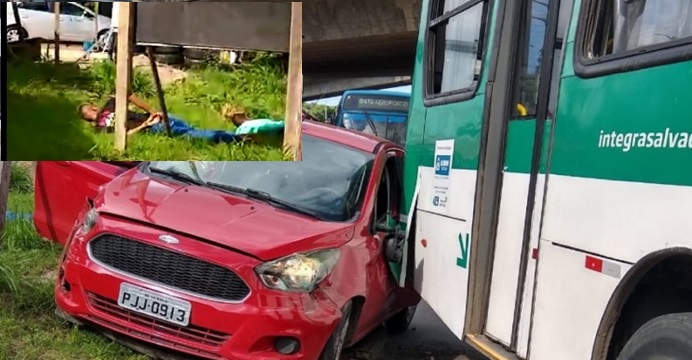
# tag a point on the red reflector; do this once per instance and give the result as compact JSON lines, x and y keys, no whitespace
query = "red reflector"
{"x":534,"y":254}
{"x":594,"y":264}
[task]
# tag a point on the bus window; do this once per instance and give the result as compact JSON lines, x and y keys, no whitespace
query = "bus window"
{"x":455,"y":29}
{"x":379,"y":113}
{"x":618,"y":26}
{"x":530,"y":50}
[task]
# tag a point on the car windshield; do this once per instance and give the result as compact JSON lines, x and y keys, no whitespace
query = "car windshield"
{"x":328,"y":184}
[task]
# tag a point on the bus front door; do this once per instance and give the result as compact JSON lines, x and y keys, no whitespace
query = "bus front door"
{"x":509,"y":303}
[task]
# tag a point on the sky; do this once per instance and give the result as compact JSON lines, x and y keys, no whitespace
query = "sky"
{"x":333,"y":101}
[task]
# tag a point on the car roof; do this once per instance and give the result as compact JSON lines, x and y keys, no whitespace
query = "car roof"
{"x":354,"y":139}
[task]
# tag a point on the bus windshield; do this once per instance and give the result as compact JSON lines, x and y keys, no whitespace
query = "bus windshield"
{"x":381,"y":114}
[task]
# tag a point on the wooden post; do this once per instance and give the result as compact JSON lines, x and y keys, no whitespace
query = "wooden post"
{"x":123,"y":70}
{"x":56,"y":33}
{"x":96,"y":23}
{"x":294,"y":97}
{"x":4,"y":194}
{"x":159,"y":89}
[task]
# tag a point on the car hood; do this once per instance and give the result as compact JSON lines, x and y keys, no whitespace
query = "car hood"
{"x":248,"y":226}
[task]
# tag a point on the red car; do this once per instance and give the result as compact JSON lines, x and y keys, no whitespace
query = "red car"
{"x":232,"y":260}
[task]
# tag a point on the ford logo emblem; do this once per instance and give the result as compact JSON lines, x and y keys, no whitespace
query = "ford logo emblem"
{"x":168,"y":239}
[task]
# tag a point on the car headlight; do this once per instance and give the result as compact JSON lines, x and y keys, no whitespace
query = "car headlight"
{"x":299,"y":272}
{"x":89,"y":220}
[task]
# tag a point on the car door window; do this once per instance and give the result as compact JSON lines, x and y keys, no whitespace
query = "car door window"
{"x":71,"y":9}
{"x":35,"y":6}
{"x":388,"y":194}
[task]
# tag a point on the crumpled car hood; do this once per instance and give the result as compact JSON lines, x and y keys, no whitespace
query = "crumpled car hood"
{"x":233,"y":221}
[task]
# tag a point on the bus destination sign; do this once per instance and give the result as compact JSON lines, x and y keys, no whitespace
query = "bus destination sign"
{"x":376,"y":103}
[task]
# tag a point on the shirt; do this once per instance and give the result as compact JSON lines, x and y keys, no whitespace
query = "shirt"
{"x":105,"y":120}
{"x":259,"y":126}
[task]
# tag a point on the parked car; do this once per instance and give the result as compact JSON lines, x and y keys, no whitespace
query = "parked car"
{"x":232,"y":260}
{"x":77,"y":23}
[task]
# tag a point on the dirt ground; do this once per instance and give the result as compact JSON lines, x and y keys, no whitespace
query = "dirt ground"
{"x":427,"y":339}
{"x":72,"y":53}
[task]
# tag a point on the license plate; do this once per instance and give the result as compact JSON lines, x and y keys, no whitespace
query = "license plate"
{"x":154,"y":304}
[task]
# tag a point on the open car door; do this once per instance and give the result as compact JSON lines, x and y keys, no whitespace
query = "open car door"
{"x":62,"y":189}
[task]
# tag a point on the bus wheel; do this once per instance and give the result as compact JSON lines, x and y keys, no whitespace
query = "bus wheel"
{"x":400,"y":322}
{"x":664,"y":337}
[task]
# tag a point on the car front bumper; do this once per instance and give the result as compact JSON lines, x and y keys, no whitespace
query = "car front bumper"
{"x":87,"y":292}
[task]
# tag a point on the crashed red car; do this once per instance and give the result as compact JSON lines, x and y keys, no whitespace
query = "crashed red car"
{"x":232,"y":260}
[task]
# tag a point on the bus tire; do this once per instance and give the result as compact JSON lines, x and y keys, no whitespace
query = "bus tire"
{"x":399,"y":323}
{"x":667,"y":336}
{"x":337,"y":342}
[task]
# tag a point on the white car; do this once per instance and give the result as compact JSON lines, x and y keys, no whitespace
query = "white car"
{"x":77,"y":23}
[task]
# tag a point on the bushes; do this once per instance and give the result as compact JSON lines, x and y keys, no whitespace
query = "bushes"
{"x":21,"y":181}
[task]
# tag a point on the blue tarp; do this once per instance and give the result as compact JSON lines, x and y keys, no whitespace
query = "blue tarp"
{"x":12,"y":216}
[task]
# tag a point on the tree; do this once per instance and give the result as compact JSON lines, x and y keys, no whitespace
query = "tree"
{"x":319,"y":111}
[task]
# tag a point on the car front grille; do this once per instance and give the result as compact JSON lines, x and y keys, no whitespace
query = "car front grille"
{"x":155,"y":328}
{"x":168,"y":268}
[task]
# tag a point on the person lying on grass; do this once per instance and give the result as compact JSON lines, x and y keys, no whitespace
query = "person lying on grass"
{"x":246,"y":126}
{"x":103,"y":120}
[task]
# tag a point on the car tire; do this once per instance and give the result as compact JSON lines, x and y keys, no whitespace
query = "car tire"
{"x":194,"y":63}
{"x":169,"y":59}
{"x":176,"y":50}
{"x":667,"y":336}
{"x":399,"y":323}
{"x":337,"y":342}
{"x":198,"y":54}
{"x":16,"y":33}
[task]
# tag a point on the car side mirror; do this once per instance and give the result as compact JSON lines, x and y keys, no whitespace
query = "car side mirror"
{"x":388,"y":226}
{"x":394,"y":248}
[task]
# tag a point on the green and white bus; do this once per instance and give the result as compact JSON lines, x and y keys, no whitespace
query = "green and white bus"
{"x":548,"y":176}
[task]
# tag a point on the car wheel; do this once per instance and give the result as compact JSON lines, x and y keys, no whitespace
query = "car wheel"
{"x":400,"y":322}
{"x":194,"y":63}
{"x":14,"y":33}
{"x":337,"y":341}
{"x":175,"y":50}
{"x":198,"y":54}
{"x":169,"y":59}
{"x":664,"y":337}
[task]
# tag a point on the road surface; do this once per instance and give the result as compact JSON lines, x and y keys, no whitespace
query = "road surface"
{"x":427,"y":339}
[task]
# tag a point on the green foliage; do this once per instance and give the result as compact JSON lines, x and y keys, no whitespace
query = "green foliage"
{"x":102,"y":76}
{"x":28,"y":327}
{"x":319,"y":111}
{"x":20,"y":179}
{"x":43,"y":100}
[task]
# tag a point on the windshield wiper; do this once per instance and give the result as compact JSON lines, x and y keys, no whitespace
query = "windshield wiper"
{"x":177,"y":175}
{"x":266,"y":197}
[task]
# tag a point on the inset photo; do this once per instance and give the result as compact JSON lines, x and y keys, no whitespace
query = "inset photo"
{"x":153,"y":81}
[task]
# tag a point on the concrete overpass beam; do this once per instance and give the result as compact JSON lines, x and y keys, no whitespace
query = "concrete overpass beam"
{"x":314,"y":89}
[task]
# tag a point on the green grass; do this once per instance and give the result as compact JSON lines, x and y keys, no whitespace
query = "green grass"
{"x":43,"y":98}
{"x":29,"y":328}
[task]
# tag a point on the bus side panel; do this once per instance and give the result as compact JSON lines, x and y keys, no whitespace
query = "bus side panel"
{"x":527,"y":300}
{"x":442,"y":248}
{"x":626,"y":184}
{"x":570,"y":299}
{"x":439,"y":275}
